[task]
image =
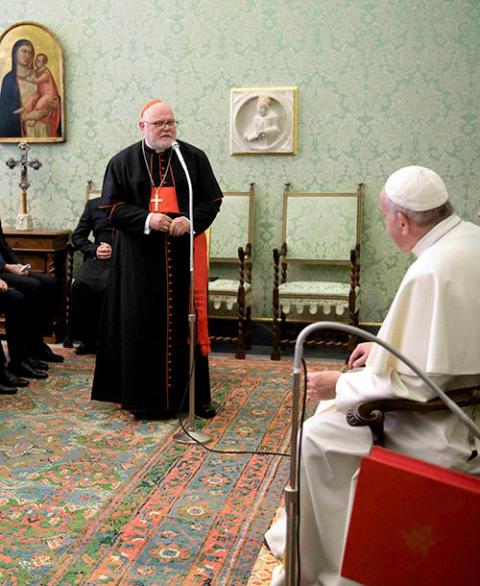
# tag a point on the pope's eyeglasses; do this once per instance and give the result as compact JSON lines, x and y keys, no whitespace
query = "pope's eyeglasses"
{"x":162,"y":123}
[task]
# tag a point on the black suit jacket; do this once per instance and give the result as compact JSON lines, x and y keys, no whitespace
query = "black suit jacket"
{"x":93,"y":220}
{"x":9,"y":256}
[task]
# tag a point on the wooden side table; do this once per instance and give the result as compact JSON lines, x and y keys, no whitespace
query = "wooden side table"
{"x":46,"y":251}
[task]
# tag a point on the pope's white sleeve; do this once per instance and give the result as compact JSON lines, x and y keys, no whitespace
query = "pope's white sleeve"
{"x":361,"y":385}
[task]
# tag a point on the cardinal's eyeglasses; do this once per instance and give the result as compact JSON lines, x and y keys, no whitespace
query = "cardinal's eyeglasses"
{"x":162,"y":123}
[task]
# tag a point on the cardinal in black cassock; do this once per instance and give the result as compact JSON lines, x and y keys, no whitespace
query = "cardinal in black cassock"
{"x":143,"y":347}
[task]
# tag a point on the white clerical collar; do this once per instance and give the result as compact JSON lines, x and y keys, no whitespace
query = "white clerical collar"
{"x":437,"y":232}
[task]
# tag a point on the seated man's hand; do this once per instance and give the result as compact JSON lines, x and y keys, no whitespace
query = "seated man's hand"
{"x":104,"y":251}
{"x":15,"y":269}
{"x":179,"y":226}
{"x":160,"y":222}
{"x":3,"y":286}
{"x":321,"y":385}
{"x":359,"y":356}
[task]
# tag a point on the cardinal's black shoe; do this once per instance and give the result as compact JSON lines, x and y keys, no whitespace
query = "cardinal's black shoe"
{"x":205,"y":411}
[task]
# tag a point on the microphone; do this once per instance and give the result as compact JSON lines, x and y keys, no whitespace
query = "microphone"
{"x":178,"y":152}
{"x":190,"y":436}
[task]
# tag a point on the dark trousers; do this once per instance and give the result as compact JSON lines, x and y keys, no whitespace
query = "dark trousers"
{"x":41,"y":299}
{"x":13,"y":304}
{"x":87,"y":297}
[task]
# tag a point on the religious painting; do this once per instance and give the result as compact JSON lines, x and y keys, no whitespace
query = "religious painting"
{"x":263,"y":121}
{"x":32,"y":95}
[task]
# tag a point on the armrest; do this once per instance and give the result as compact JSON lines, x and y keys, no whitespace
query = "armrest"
{"x":372,"y":413}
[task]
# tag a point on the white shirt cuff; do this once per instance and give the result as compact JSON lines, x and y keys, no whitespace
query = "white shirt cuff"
{"x":146,"y":229}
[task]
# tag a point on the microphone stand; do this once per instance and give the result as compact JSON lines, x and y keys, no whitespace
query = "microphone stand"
{"x":190,"y":436}
{"x":291,"y":490}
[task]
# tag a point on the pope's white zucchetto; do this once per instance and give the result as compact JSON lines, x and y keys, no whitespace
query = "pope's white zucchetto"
{"x":416,"y":188}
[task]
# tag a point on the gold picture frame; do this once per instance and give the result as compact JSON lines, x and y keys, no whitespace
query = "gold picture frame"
{"x":32,"y":90}
{"x":263,"y":121}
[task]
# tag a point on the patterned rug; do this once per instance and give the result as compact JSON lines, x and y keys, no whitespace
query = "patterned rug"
{"x":89,"y":495}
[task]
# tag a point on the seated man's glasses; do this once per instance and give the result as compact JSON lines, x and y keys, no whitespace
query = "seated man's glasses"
{"x":162,"y":123}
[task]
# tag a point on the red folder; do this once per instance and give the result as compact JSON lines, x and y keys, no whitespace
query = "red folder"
{"x":413,"y":523}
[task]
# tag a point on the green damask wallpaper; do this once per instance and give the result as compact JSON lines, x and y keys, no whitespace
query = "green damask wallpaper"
{"x":382,"y":84}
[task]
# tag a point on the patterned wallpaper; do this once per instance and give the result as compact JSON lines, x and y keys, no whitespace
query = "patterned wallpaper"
{"x":382,"y":84}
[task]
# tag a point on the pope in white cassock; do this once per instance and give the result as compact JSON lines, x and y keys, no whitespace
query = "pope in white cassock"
{"x":435,"y":321}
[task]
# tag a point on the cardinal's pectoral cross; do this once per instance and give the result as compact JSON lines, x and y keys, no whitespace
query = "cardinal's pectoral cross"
{"x":156,"y":199}
{"x":24,"y":220}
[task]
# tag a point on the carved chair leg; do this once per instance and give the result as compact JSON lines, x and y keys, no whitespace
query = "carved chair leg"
{"x":248,"y":329}
{"x":353,"y":340}
{"x":240,"y":352}
{"x":275,"y":355}
{"x":351,"y":343}
{"x":68,"y":342}
{"x":283,"y":330}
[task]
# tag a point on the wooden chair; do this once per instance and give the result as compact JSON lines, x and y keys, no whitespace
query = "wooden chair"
{"x":230,"y":246}
{"x":74,"y":260}
{"x":321,"y":240}
{"x":372,"y":413}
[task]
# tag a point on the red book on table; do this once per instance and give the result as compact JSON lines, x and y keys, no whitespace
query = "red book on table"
{"x":413,"y":523}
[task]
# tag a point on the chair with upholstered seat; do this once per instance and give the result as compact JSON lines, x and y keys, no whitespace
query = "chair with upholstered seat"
{"x":321,"y":251}
{"x":230,"y":247}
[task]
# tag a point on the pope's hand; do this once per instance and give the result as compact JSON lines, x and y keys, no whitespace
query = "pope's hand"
{"x":321,"y":385}
{"x":359,"y":356}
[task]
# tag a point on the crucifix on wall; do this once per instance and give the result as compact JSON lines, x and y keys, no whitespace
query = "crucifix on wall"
{"x":24,"y":220}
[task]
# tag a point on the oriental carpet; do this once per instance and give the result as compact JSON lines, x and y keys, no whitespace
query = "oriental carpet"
{"x":89,"y":495}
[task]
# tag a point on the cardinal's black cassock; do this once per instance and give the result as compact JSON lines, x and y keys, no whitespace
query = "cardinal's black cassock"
{"x":143,"y":346}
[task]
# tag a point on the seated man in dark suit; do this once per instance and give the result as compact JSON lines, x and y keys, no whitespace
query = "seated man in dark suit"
{"x":41,"y":297}
{"x":13,"y":304}
{"x":90,"y":283}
